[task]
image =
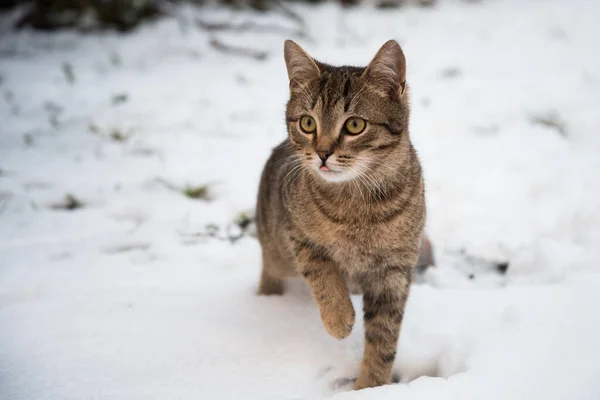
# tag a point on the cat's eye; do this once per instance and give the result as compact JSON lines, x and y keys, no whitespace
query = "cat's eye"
{"x":308,"y":124}
{"x":355,"y":125}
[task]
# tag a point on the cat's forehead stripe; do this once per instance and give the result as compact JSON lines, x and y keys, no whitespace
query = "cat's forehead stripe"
{"x":329,"y":91}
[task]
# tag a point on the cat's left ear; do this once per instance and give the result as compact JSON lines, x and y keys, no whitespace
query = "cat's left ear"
{"x":387,"y":70}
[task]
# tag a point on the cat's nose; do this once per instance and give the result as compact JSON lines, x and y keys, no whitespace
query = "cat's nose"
{"x":323,"y":154}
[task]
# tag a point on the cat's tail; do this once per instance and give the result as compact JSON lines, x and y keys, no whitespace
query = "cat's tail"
{"x":426,"y":256}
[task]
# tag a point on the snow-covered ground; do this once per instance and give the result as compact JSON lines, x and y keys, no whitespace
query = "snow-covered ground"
{"x":124,"y":299}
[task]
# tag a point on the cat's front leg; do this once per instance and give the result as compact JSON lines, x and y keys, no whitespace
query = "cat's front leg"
{"x":384,"y":300}
{"x":329,"y":290}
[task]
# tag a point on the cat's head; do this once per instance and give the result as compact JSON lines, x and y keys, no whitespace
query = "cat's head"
{"x":348,"y":123}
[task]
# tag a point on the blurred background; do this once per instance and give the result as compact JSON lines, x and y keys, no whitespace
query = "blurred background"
{"x":132,"y":137}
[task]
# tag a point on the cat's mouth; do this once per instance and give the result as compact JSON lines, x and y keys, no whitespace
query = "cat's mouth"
{"x":330,"y":171}
{"x":332,"y":174}
{"x":327,"y":170}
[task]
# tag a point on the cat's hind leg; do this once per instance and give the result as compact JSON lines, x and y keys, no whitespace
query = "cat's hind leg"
{"x":270,"y":283}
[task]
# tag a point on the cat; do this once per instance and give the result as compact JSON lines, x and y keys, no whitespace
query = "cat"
{"x":341,"y":201}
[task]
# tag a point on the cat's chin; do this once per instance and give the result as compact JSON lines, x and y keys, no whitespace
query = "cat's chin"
{"x":334,"y":176}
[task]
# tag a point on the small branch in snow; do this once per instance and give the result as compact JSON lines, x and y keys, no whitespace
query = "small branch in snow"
{"x":212,"y":232}
{"x":115,"y":133}
{"x":69,"y":203}
{"x":126,"y":247}
{"x":9,"y":97}
{"x":119,"y":98}
{"x":288,"y":12}
{"x":196,"y":192}
{"x":499,"y":266}
{"x":242,"y":226}
{"x":248,"y":26}
{"x":3,"y":206}
{"x":67,"y":69}
{"x":551,"y":121}
{"x":258,"y":55}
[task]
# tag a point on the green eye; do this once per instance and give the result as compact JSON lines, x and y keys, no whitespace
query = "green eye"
{"x":355,"y":125}
{"x":308,"y":124}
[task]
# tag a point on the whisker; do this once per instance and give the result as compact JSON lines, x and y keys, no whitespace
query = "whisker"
{"x":293,"y":174}
{"x":365,"y":180}
{"x":357,"y":186}
{"x":280,"y":162}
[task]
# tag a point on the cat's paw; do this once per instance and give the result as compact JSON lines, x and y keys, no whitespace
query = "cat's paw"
{"x":270,"y":286}
{"x":371,"y":380}
{"x":270,"y":290}
{"x":338,"y":318}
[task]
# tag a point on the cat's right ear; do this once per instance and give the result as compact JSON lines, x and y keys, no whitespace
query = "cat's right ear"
{"x":301,"y":67}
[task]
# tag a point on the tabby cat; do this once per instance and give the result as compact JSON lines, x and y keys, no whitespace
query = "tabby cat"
{"x":341,"y":200}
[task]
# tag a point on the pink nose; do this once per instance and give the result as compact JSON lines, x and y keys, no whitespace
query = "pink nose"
{"x":323,"y":154}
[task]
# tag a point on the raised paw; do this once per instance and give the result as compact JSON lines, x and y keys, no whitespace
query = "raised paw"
{"x":338,"y":318}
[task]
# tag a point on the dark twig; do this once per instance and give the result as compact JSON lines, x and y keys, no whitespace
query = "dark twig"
{"x":3,"y":205}
{"x":242,"y":226}
{"x":212,"y":232}
{"x":288,"y":12}
{"x":551,"y":121}
{"x":249,"y":26}
{"x":258,"y":55}
{"x":498,"y":266}
{"x":69,"y":203}
{"x":197,"y":192}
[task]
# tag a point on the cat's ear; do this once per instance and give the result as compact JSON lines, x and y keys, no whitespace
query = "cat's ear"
{"x":387,"y":70}
{"x":300,"y":66}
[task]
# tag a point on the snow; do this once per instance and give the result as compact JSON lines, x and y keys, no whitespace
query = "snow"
{"x":121,"y":299}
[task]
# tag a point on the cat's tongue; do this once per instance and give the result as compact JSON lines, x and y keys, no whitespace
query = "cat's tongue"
{"x":324,"y":168}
